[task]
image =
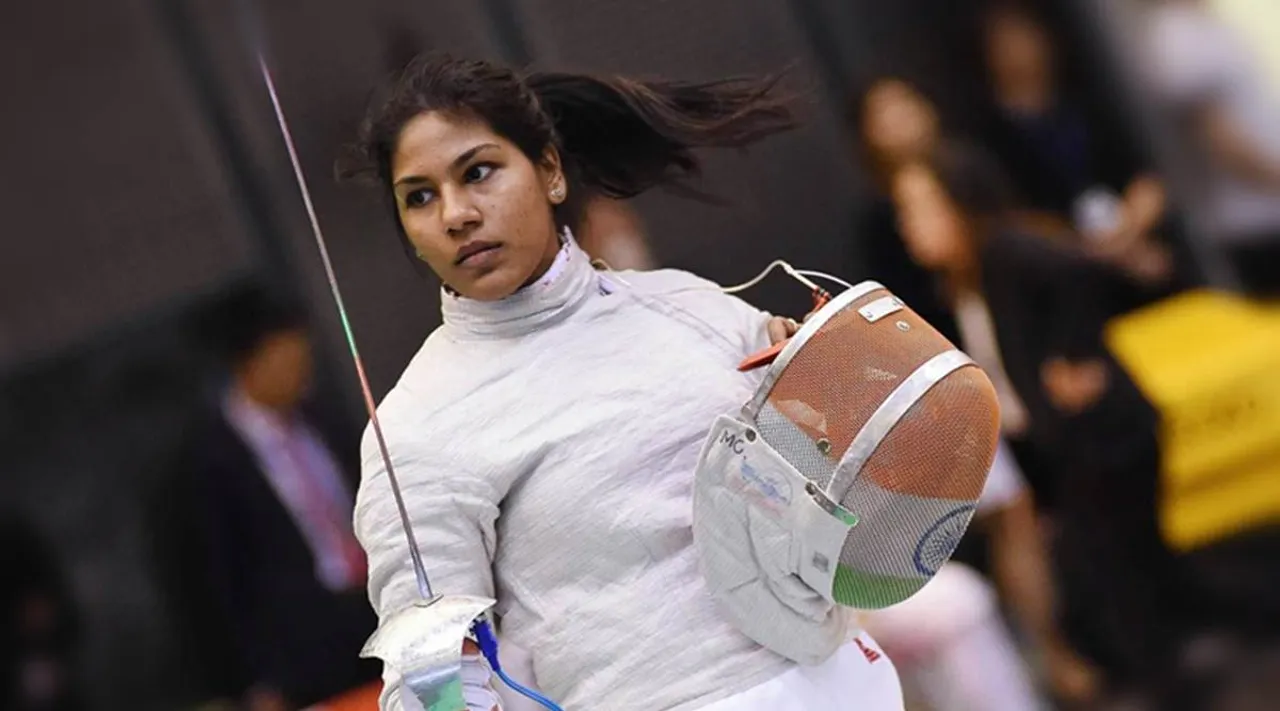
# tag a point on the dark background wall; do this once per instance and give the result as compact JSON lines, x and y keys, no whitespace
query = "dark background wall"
{"x":143,"y":176}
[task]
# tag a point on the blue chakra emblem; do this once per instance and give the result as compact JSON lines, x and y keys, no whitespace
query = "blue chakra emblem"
{"x":941,"y":540}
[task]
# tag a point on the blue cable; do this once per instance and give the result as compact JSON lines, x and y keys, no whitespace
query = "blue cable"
{"x":529,"y":693}
{"x":488,"y":643}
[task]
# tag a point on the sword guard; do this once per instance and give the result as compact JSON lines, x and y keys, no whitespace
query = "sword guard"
{"x":423,"y":642}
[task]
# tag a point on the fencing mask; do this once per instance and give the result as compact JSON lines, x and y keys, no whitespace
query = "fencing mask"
{"x":848,"y":479}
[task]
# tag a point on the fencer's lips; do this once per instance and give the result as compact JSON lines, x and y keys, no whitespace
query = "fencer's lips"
{"x":470,"y":250}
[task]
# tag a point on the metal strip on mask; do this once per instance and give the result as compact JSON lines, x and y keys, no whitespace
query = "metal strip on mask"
{"x":907,"y":394}
{"x":807,"y":331}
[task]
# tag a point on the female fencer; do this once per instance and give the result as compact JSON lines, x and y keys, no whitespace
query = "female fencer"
{"x":546,"y":434}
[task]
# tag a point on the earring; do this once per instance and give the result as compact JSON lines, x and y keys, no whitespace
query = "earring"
{"x":557,"y":193}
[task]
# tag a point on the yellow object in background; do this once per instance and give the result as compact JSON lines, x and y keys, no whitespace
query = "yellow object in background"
{"x":1210,"y":362}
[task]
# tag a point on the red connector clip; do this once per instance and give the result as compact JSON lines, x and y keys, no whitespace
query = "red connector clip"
{"x":768,"y":355}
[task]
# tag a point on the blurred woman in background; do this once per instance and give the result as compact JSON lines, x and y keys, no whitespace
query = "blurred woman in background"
{"x":893,"y":124}
{"x":1039,"y":302}
{"x":897,"y":126}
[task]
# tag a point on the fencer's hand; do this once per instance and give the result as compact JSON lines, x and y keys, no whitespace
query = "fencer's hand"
{"x":470,"y":648}
{"x":781,"y":328}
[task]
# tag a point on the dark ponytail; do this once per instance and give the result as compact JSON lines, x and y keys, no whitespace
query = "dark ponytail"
{"x":622,"y":137}
{"x":617,"y":137}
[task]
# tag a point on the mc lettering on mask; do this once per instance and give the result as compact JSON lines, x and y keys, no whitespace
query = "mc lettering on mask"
{"x":735,"y":443}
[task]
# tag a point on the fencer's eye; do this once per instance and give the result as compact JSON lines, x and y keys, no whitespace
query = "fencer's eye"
{"x":418,"y":198}
{"x":478,"y":172}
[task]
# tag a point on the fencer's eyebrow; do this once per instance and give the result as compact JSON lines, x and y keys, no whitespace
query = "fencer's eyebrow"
{"x":462,"y":158}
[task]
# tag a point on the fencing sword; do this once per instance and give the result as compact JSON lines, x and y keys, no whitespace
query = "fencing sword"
{"x":422,"y":641}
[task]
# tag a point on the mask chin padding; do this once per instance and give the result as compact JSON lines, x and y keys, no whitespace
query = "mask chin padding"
{"x":743,"y":499}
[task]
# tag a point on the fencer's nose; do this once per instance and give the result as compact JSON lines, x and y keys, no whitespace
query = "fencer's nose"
{"x":459,"y":211}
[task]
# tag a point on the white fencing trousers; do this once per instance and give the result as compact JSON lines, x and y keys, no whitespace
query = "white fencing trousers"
{"x":858,"y":677}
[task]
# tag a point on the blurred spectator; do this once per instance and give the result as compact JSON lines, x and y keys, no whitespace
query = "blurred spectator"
{"x":950,"y":642}
{"x":897,"y":126}
{"x":1055,"y":155}
{"x":612,"y":231}
{"x":1042,"y":298}
{"x":893,"y":124}
{"x":1066,"y":164}
{"x":275,"y":507}
{"x":1203,"y":70}
{"x":1060,"y":161}
{"x":39,"y":629}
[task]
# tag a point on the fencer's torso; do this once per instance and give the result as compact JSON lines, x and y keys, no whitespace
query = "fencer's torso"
{"x":546,"y":445}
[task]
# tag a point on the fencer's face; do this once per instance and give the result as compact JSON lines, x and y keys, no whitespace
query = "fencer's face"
{"x":900,"y":124}
{"x":931,"y":226}
{"x":473,"y":205}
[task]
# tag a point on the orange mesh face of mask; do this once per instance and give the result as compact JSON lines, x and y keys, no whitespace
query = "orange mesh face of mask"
{"x":899,"y":429}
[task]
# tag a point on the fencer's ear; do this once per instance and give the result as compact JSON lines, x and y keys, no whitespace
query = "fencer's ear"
{"x":552,"y":170}
{"x":550,"y":161}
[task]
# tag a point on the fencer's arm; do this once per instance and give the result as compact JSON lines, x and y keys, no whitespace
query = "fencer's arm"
{"x":752,"y":326}
{"x":453,"y":511}
{"x":743,"y":328}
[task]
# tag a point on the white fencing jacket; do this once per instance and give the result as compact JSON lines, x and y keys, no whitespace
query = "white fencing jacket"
{"x":546,"y":445}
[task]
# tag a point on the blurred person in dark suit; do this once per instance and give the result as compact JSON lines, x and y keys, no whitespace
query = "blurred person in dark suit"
{"x":1045,"y":302}
{"x":1057,"y":154}
{"x":1043,"y":136}
{"x":275,"y":507}
{"x":39,"y":626}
